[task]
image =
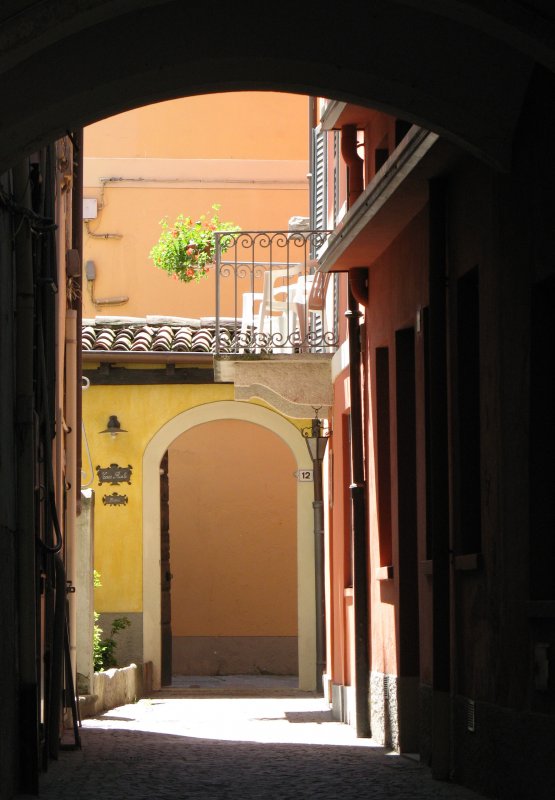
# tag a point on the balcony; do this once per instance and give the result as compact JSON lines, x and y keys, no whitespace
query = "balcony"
{"x":270,"y":297}
{"x":276,"y":318}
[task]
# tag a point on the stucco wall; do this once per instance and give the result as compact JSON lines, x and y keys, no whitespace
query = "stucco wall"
{"x":403,"y":266}
{"x":127,"y":537}
{"x":246,"y":152}
{"x":118,"y":529}
{"x":260,"y":125}
{"x":233,"y":549}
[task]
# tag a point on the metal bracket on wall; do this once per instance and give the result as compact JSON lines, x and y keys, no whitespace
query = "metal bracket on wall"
{"x":541,"y":666}
{"x":471,"y":716}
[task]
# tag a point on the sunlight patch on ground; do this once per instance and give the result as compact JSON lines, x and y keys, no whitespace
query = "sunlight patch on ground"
{"x":272,"y":720}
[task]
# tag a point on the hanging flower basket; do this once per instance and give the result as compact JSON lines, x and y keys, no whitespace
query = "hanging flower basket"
{"x":186,"y":249}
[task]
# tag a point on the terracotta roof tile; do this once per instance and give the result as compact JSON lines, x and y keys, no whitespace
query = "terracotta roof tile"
{"x":156,"y":334}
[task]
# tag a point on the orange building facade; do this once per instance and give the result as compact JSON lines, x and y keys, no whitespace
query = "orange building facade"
{"x":246,"y":152}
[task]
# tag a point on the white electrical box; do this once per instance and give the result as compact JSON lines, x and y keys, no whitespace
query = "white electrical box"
{"x":90,"y":208}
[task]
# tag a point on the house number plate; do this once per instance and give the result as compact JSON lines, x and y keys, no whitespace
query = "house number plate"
{"x":304,"y":475}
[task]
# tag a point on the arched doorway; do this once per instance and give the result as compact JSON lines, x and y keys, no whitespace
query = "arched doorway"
{"x":232,"y":543}
{"x":151,"y":527}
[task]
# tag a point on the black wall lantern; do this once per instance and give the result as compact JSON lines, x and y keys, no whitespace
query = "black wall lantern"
{"x":316,"y":438}
{"x":113,"y":427}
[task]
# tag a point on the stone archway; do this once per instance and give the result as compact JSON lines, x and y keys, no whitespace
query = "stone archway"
{"x":151,"y":527}
{"x":452,"y":67}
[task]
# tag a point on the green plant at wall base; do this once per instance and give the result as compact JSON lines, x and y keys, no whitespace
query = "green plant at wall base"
{"x":186,"y":249}
{"x":97,"y":644}
{"x":104,"y":648}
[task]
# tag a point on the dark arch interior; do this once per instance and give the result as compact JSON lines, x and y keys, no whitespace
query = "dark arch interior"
{"x":461,"y":69}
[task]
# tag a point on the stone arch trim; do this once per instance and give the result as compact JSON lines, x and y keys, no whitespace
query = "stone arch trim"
{"x":155,"y":449}
{"x":419,"y":67}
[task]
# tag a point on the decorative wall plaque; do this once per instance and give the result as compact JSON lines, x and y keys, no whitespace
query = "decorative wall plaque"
{"x":115,"y":499}
{"x":114,"y":474}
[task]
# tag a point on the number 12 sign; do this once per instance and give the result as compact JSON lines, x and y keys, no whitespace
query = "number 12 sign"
{"x":304,"y":475}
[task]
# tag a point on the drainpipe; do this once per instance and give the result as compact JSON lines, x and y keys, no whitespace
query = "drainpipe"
{"x":355,"y":164}
{"x":57,"y":668}
{"x":25,"y":490}
{"x":318,"y":508}
{"x":72,"y":487}
{"x":311,"y":160}
{"x":77,"y":303}
{"x":358,"y":485}
{"x":74,"y":317}
{"x":358,"y":283}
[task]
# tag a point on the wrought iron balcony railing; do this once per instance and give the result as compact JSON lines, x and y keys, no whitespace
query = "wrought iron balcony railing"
{"x":270,"y":296}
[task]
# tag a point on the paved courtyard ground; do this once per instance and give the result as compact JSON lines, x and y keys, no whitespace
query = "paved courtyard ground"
{"x":192,"y":742}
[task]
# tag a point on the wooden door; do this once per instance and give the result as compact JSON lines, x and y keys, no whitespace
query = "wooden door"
{"x":165,"y":576}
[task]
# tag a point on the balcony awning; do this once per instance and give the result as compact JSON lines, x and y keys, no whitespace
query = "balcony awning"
{"x":395,"y":195}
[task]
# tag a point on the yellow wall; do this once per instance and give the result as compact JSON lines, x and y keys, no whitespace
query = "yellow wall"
{"x":233,"y":532}
{"x":245,"y":151}
{"x":142,"y":410}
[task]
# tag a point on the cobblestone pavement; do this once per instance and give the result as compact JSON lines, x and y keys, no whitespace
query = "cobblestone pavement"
{"x":178,"y":745}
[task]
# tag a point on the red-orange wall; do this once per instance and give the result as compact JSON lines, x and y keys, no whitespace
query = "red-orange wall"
{"x":398,"y":290}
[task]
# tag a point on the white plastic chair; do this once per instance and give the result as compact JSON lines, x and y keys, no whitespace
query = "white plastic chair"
{"x":310,"y":295}
{"x":249,"y":318}
{"x":277,"y":314}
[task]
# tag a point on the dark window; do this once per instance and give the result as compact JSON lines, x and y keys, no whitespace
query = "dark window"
{"x":383,"y":455}
{"x":405,"y":414}
{"x":381,"y":154}
{"x":542,"y":442}
{"x":427,"y":429}
{"x":468,"y":407}
{"x":402,"y":127}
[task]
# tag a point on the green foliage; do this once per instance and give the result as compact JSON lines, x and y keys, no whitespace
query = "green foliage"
{"x":104,"y":647}
{"x":97,"y":645}
{"x":185,"y":250}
